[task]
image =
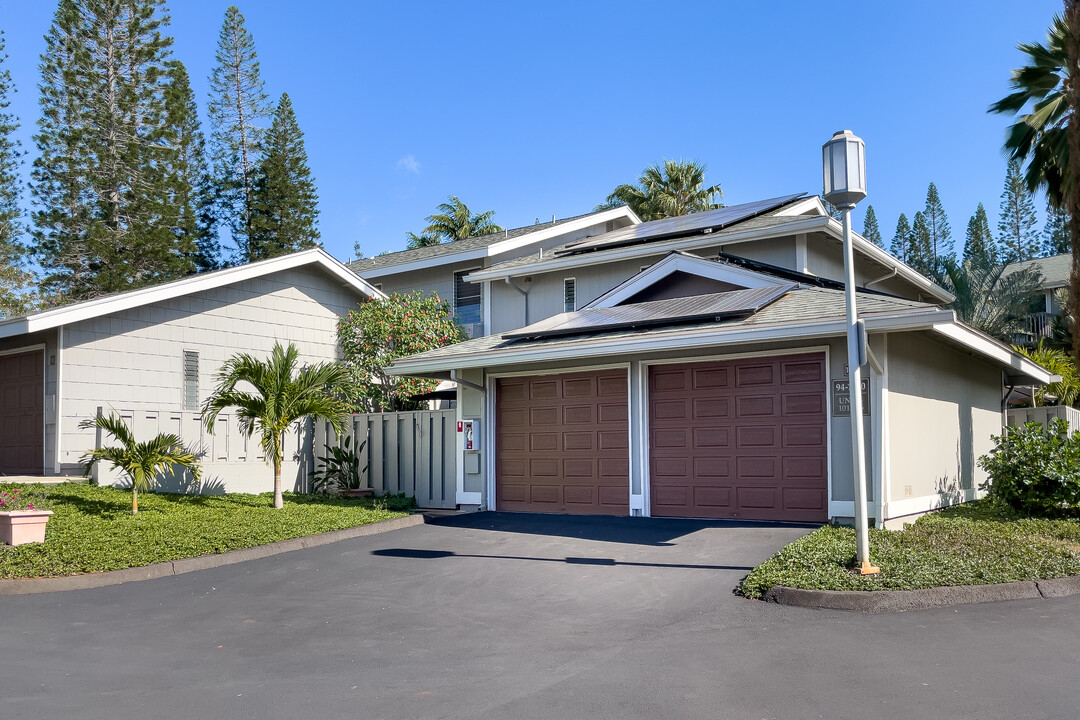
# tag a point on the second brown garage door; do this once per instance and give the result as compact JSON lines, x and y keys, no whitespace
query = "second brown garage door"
{"x":22,"y":406}
{"x":562,"y":443}
{"x":743,"y":438}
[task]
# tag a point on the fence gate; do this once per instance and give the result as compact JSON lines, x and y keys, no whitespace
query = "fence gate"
{"x":406,"y":452}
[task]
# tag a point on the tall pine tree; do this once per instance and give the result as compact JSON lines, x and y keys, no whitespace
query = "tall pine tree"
{"x":1056,"y":233}
{"x":285,"y":209}
{"x":979,"y":243}
{"x":870,"y":229}
{"x":190,"y":178}
{"x":238,"y":106}
{"x":14,"y":277}
{"x":107,"y":221}
{"x":901,"y":239}
{"x":921,"y":253}
{"x":59,"y":182}
{"x":937,"y":224}
{"x":1016,"y":224}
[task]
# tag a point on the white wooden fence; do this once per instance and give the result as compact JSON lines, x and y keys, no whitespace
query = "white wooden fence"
{"x":231,"y":461}
{"x":1020,"y":416}
{"x":406,"y":452}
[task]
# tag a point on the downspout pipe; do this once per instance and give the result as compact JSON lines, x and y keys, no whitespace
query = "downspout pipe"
{"x":883,"y":278}
{"x":524,"y":294}
{"x":466,"y":383}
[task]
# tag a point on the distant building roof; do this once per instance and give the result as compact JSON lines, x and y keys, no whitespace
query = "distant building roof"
{"x":477,"y":242}
{"x":1055,"y":269}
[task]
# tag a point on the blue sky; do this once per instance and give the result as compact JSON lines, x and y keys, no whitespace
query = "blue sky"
{"x":535,"y":109}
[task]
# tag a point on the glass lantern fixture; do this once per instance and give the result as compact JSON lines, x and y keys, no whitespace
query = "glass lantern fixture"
{"x":843,"y":159}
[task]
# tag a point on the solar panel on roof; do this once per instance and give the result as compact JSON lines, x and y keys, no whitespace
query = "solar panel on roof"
{"x":682,"y":225}
{"x":735,"y":303}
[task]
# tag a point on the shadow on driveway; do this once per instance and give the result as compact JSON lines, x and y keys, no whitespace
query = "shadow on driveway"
{"x":416,"y":554}
{"x":656,"y":532}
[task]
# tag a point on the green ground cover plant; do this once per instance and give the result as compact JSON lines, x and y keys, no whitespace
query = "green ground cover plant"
{"x":92,"y":528}
{"x":979,"y":543}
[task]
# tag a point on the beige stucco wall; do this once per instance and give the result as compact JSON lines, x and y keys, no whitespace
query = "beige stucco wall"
{"x":944,"y":405}
{"x":131,"y":361}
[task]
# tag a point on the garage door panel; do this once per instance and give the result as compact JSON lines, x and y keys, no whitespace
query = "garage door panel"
{"x":22,"y":413}
{"x":757,"y":446}
{"x":573,"y":456}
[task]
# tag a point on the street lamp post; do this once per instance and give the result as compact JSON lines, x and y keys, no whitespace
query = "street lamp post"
{"x":844,"y":161}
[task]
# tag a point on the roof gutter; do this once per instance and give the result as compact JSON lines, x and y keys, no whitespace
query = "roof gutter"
{"x":669,"y":341}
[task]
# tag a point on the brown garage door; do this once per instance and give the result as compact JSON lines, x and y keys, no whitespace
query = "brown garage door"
{"x":739,"y":439}
{"x":22,"y":406}
{"x":562,"y":443}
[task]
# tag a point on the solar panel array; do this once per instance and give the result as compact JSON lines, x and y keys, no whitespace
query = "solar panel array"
{"x":676,"y":226}
{"x":716,"y":306}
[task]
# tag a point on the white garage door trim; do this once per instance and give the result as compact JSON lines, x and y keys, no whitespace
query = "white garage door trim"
{"x":645,"y":501}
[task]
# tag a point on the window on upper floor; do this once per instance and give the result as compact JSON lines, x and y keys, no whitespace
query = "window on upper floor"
{"x":191,"y":380}
{"x":467,"y":298}
{"x":569,"y":294}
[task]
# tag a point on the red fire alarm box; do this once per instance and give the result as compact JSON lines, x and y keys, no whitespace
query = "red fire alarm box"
{"x":471,"y":430}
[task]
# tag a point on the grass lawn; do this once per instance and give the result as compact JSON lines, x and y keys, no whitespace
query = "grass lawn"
{"x":92,"y":528}
{"x":974,"y":544}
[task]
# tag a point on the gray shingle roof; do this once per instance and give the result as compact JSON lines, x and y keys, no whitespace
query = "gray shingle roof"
{"x":1055,"y":269}
{"x":765,"y":221}
{"x":801,"y":305}
{"x":472,"y":243}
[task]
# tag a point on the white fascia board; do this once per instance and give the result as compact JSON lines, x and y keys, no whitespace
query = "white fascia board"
{"x":801,"y":207}
{"x":705,"y":337}
{"x":872,"y":251}
{"x":497,"y":248}
{"x":196,"y":283}
{"x":678,"y":262}
{"x":646,"y":249}
{"x":994,"y":350}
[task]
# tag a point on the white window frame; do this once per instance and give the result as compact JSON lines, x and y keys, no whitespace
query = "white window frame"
{"x":184,"y":379}
{"x":567,"y":305}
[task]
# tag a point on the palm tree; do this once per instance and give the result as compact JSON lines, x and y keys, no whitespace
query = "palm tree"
{"x":454,"y":221}
{"x":1038,"y":137}
{"x":1067,"y":389}
{"x":987,"y":298}
{"x":413,"y":241}
{"x":282,"y":394}
{"x":140,"y":462}
{"x":674,"y":188}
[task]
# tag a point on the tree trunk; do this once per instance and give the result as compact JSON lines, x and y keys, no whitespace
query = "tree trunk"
{"x":134,"y":500}
{"x":278,"y":501}
{"x":1072,"y":173}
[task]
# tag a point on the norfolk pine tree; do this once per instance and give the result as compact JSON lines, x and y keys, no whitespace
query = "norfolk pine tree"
{"x":901,"y":239}
{"x":14,"y":277}
{"x":921,"y":253}
{"x":285,"y":210}
{"x":870,"y":229}
{"x":104,"y":179}
{"x":59,"y":183}
{"x":237,"y":105}
{"x":979,"y":242}
{"x":191,"y":180}
{"x":1016,"y":225}
{"x":1056,"y":233}
{"x":937,"y":223}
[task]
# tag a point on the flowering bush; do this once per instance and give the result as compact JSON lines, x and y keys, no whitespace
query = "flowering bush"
{"x":382,"y":331}
{"x":20,"y":500}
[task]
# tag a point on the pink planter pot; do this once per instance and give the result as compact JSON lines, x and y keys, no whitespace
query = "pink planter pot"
{"x":23,"y":526}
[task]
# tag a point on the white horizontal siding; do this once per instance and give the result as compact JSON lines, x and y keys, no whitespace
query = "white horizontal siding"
{"x":133,"y":360}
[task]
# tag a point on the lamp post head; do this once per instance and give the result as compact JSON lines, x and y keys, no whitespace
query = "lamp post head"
{"x":844,"y":163}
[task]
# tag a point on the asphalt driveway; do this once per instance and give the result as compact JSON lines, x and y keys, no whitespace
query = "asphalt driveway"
{"x":518,"y":616}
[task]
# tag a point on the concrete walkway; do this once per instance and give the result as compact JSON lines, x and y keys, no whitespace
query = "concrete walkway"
{"x":516,"y":616}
